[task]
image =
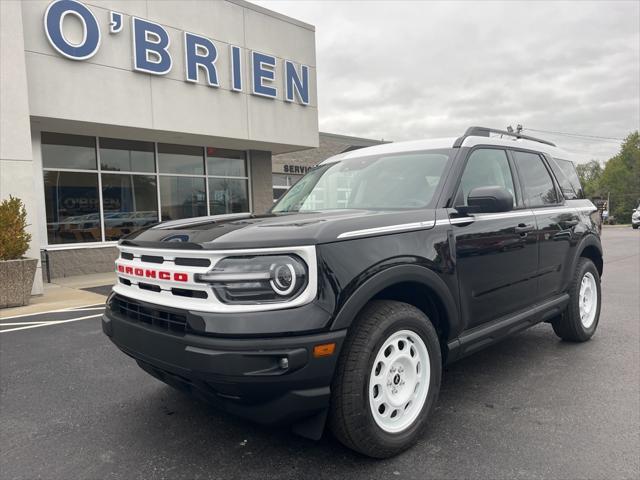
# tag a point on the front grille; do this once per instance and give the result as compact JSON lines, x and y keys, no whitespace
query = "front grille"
{"x":151,"y":258}
{"x":135,"y":312}
{"x":142,"y":271}
{"x":185,"y":292}
{"x":193,"y":262}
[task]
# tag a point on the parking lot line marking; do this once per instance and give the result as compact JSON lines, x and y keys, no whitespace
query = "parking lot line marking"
{"x":13,"y":324}
{"x":68,"y":309}
{"x":54,"y":322}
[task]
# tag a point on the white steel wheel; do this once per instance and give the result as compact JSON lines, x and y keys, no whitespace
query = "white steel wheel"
{"x":386,"y":335}
{"x":579,"y":321}
{"x":399,"y":381}
{"x":588,"y":300}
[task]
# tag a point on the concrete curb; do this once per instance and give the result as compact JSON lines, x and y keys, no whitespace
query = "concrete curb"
{"x":65,"y":293}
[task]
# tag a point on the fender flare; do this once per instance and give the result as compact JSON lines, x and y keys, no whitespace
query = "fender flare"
{"x":589,"y":240}
{"x":392,"y":276}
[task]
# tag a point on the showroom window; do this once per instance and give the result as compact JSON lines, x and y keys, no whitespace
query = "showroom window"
{"x":129,"y":186}
{"x":73,"y":211}
{"x":182,"y":184}
{"x":68,"y":151}
{"x":127,"y":155}
{"x":71,"y":195}
{"x":102,"y":189}
{"x":182,"y":197}
{"x":228,"y":181}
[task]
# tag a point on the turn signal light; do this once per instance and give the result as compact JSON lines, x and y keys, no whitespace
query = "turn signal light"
{"x":324,"y":350}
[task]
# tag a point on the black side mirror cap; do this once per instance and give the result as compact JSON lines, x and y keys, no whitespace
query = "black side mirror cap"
{"x":491,"y":199}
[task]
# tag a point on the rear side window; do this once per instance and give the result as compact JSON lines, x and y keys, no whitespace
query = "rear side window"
{"x":537,"y":185}
{"x":565,"y":172}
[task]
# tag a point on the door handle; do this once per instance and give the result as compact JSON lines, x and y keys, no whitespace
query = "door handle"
{"x":523,"y":228}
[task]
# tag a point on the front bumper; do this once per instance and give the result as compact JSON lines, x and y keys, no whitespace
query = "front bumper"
{"x":269,"y":380}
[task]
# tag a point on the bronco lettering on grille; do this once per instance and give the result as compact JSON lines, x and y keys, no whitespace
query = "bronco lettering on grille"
{"x":148,"y":273}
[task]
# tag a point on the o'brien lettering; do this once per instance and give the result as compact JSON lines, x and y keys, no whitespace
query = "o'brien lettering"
{"x":153,"y":53}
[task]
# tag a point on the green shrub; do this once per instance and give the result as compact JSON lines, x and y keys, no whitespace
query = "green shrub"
{"x":14,"y":239}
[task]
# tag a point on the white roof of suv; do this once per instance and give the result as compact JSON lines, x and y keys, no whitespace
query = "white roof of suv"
{"x":436,"y":143}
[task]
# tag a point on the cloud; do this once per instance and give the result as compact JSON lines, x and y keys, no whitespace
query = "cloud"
{"x":406,"y":70}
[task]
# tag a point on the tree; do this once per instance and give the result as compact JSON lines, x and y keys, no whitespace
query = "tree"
{"x":14,"y":239}
{"x":621,"y":178}
{"x":590,"y":174}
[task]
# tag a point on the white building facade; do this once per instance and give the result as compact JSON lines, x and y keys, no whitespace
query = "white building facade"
{"x":116,"y":114}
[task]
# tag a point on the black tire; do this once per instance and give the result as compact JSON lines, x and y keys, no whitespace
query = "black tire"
{"x":569,"y":326}
{"x":350,"y":417}
{"x":635,"y":227}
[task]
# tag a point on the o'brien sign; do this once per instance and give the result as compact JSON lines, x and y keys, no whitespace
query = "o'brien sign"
{"x":151,"y":52}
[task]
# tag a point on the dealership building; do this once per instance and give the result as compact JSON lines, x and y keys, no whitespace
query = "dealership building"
{"x":117,"y":114}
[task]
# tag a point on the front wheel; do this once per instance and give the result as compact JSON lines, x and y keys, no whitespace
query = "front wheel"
{"x":387,"y":380}
{"x":579,"y":321}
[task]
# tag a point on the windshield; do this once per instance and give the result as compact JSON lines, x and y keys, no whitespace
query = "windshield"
{"x":382,"y":182}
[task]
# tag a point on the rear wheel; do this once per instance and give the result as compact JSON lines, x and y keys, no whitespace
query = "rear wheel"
{"x":387,"y":380}
{"x":579,"y":321}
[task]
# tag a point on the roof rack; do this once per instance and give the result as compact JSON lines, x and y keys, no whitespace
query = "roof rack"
{"x":486,"y":131}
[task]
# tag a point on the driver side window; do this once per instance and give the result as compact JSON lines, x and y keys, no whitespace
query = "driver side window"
{"x":485,"y":168}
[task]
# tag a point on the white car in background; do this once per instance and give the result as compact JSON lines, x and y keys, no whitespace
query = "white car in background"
{"x":635,"y":217}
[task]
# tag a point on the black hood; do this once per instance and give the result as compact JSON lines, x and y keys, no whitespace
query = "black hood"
{"x":271,"y":230}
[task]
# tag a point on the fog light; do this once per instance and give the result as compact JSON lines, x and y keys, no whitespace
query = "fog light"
{"x":284,"y":363}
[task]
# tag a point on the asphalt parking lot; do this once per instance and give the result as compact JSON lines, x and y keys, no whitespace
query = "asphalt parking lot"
{"x":73,"y":406}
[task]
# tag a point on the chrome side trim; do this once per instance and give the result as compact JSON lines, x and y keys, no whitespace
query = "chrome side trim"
{"x":455,"y":221}
{"x":491,"y":216}
{"x":543,"y":211}
{"x":443,"y":221}
{"x":405,"y":227}
{"x":521,"y":213}
{"x":586,"y":209}
{"x":498,"y":216}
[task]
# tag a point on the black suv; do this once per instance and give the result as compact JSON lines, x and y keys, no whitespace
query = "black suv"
{"x":379,"y":266}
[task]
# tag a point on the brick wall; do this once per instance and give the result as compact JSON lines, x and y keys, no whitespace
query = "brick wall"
{"x":79,"y":261}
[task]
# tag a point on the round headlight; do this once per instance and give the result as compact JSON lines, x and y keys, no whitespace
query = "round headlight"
{"x":283,"y":278}
{"x":257,"y":278}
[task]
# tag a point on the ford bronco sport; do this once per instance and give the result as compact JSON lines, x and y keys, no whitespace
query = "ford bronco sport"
{"x":380,"y":265}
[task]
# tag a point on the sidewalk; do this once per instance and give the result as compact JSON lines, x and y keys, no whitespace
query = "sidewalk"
{"x":68,"y":292}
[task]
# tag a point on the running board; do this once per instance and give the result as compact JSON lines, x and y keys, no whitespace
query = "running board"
{"x":496,"y":330}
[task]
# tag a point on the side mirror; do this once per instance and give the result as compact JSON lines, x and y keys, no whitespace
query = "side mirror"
{"x":489,"y":200}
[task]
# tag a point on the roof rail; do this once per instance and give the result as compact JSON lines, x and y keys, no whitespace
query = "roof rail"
{"x":486,"y":131}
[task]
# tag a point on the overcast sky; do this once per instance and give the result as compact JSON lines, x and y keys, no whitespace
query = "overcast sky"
{"x":407,"y":70}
